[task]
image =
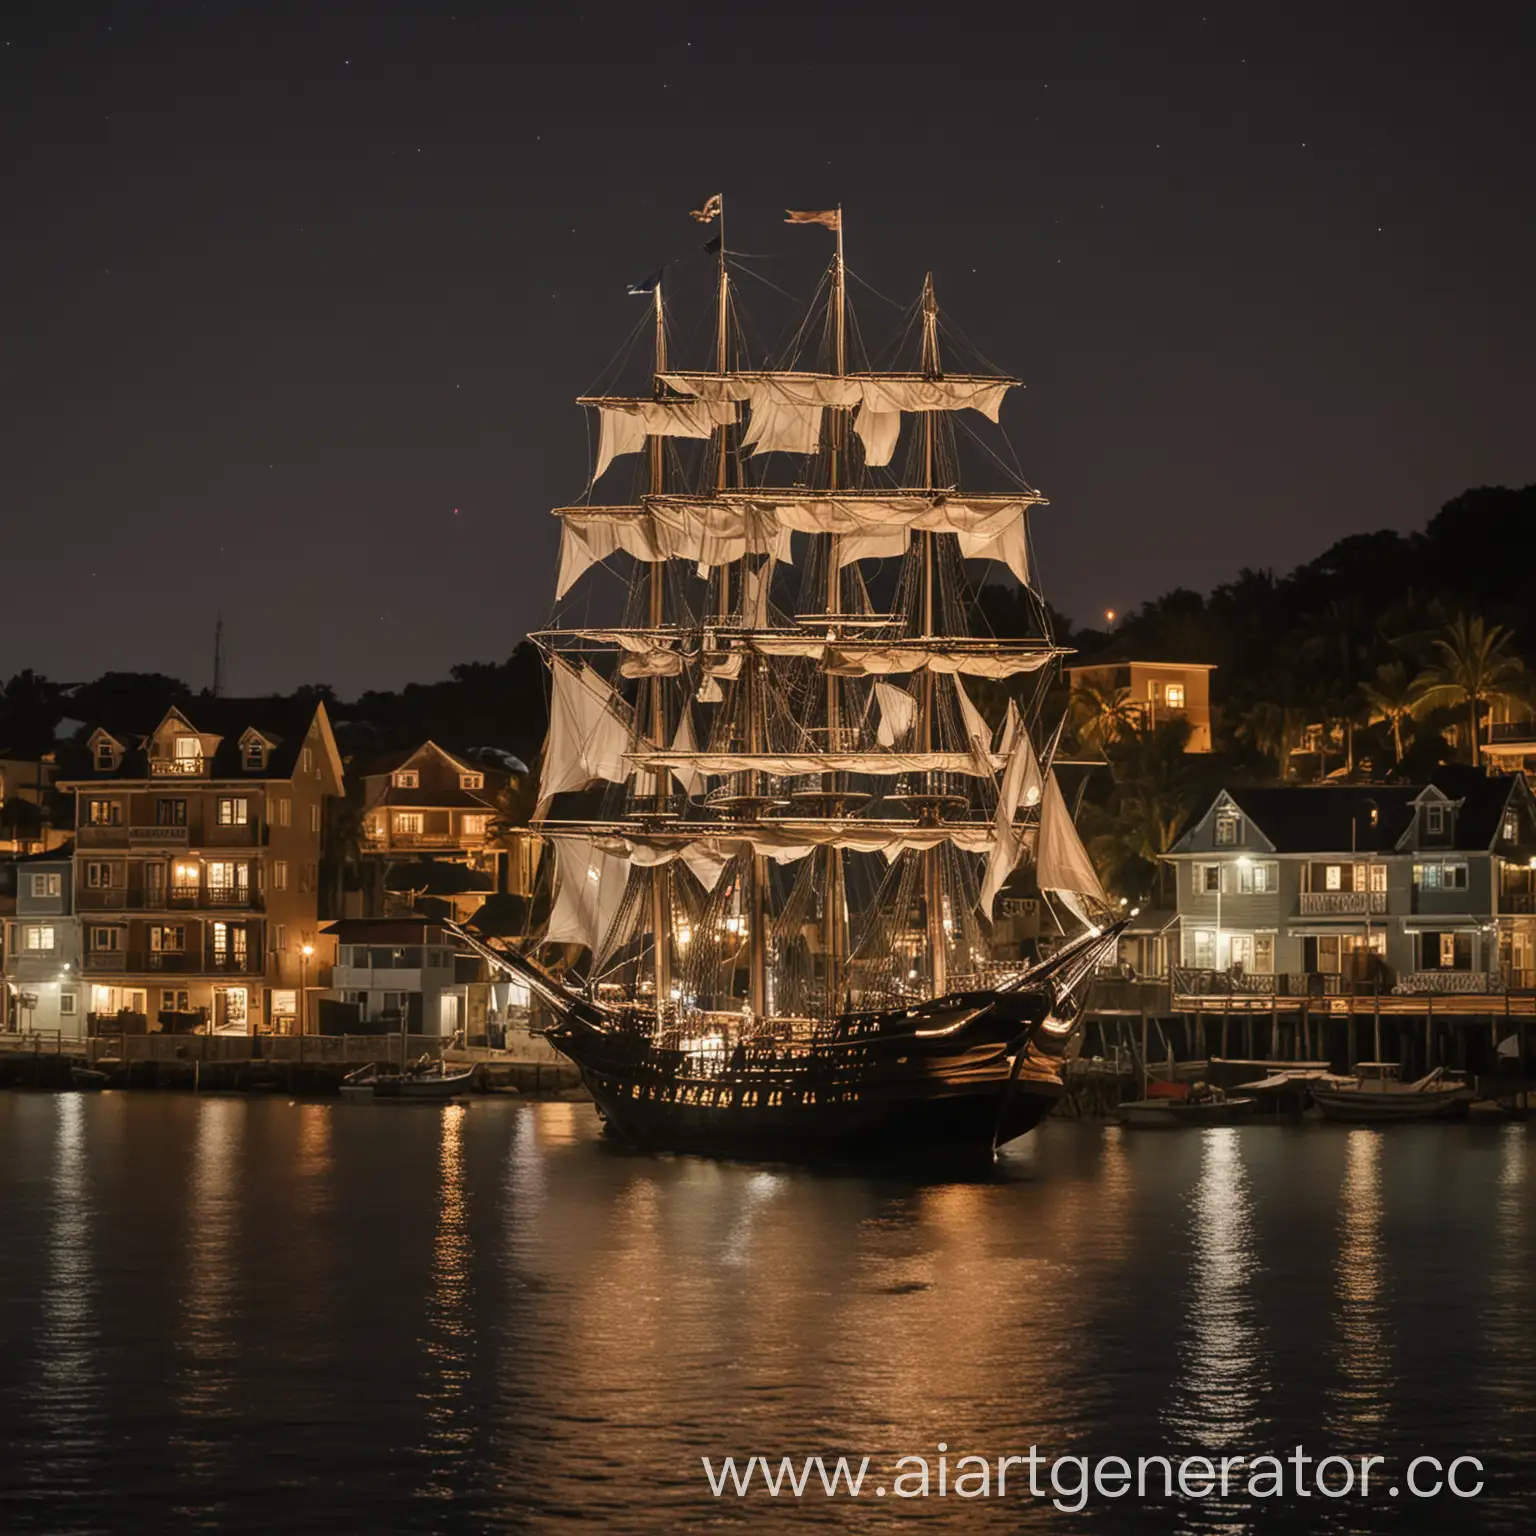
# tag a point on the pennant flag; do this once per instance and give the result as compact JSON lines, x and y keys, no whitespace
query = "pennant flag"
{"x":710,"y":211}
{"x":712,"y":247}
{"x":829,"y":218}
{"x":647,"y":284}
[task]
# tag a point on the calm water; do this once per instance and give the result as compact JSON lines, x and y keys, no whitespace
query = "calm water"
{"x":263,"y":1315}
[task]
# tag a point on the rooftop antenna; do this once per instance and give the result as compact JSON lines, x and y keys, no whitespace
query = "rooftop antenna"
{"x":218,"y":655}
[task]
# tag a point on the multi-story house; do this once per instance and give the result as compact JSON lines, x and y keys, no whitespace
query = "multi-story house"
{"x":26,"y":795}
{"x":196,"y":869}
{"x":42,"y":947}
{"x":1511,"y":738}
{"x":434,"y":820}
{"x":1409,"y":888}
{"x":1153,"y":691}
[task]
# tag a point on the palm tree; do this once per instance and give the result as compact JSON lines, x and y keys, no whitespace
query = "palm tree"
{"x":1103,"y":712}
{"x":1392,"y":695}
{"x":1476,"y":667}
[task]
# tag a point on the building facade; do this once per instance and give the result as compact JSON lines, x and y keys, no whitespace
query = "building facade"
{"x":412,"y":974}
{"x":435,"y":822}
{"x":1154,"y":691}
{"x":42,"y":948}
{"x":196,"y":867}
{"x":1421,"y":888}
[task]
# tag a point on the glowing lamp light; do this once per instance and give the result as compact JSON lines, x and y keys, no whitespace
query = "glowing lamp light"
{"x":306,"y":950}
{"x":1135,"y":911}
{"x":1109,"y":615}
{"x":684,"y":937}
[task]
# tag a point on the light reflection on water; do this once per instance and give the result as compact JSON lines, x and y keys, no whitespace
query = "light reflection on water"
{"x":483,"y":1318}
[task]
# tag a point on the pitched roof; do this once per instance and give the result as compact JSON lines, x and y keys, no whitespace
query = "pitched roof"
{"x":1140,"y":656}
{"x":284,"y":722}
{"x":1336,"y":818}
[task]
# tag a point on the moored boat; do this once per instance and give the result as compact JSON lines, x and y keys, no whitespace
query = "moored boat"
{"x":1214,"y":1107}
{"x":88,"y":1078}
{"x":1369,"y":1099}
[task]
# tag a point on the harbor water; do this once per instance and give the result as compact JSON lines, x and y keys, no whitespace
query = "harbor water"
{"x":260,"y":1314}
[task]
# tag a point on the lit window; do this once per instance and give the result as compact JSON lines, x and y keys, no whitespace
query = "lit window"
{"x":255,"y":756}
{"x":408,"y":823}
{"x":1333,"y":878}
{"x":1228,"y":826}
{"x":1448,"y":951}
{"x":1257,"y":879}
{"x":45,"y":885}
{"x":104,"y":813}
{"x":471,"y":781}
{"x":475,"y":825}
{"x":37,"y":937}
{"x":234,"y":810}
{"x":1511,"y":826}
{"x":1378,"y":877}
{"x":1173,"y":695}
{"x":314,"y":818}
{"x":306,"y":761}
{"x":407,"y":778}
{"x":167,"y":940}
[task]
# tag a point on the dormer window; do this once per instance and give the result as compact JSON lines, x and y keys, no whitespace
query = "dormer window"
{"x":471,"y":781}
{"x":1511,"y":830}
{"x":1229,"y":826}
{"x":254,"y":755}
{"x":108,"y":755}
{"x":407,"y":778}
{"x":1434,"y":820}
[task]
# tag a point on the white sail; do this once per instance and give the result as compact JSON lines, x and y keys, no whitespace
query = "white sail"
{"x":898,"y":714}
{"x":1061,"y":862}
{"x":1020,"y":786}
{"x":589,"y":888}
{"x":589,"y":735}
{"x":624,"y":425}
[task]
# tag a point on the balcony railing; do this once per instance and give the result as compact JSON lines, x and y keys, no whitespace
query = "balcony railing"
{"x":184,"y":963}
{"x":421,"y":840}
{"x":178,"y":767}
{"x":1194,"y":981}
{"x":102,"y":836}
{"x":176,"y":898}
{"x":1342,"y":903}
{"x":1518,"y":902}
{"x":1451,"y":983}
{"x":1512,"y":731}
{"x":157,"y":836}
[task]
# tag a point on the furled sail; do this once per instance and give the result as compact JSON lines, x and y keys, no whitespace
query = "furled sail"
{"x":884,"y":763}
{"x":589,"y":733}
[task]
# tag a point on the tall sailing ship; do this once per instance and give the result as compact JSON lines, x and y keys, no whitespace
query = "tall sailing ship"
{"x":769,"y":933}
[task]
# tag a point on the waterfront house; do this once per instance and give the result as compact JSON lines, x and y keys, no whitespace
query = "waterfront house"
{"x":1153,"y":691}
{"x":196,"y":866}
{"x":1510,"y":744}
{"x":435,"y":821}
{"x":413,"y":974}
{"x":42,"y":947}
{"x":1426,"y":888}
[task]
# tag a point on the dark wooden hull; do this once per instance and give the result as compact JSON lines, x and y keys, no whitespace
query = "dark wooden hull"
{"x":953,"y":1081}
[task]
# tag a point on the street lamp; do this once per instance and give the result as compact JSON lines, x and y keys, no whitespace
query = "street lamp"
{"x":305,"y":951}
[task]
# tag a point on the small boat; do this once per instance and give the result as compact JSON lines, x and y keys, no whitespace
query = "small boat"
{"x":360,"y":1084}
{"x":88,"y":1078}
{"x":1373,"y":1098}
{"x":1202,"y":1106}
{"x":426,"y":1079}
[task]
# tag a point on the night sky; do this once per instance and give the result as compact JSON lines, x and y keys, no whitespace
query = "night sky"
{"x":294,"y":298}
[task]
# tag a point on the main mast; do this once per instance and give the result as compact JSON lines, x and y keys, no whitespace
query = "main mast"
{"x":661,"y":891}
{"x":933,"y":883}
{"x":834,"y":918}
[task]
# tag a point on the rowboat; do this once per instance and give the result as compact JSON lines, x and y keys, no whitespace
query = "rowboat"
{"x":1166,"y":1114}
{"x":1379,"y":1100}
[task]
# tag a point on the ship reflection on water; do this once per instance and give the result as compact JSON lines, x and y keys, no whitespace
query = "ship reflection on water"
{"x":484,"y":1317}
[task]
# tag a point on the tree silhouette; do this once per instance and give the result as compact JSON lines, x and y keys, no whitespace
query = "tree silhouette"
{"x":1476,"y":666}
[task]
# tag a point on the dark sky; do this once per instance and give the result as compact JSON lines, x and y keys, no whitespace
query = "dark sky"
{"x":294,"y":297}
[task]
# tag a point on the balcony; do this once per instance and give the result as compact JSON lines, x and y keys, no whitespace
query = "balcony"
{"x":1342,"y":903}
{"x":1509,"y":732}
{"x":178,"y":767}
{"x":1521,"y":903}
{"x":422,"y":840}
{"x":166,"y":962}
{"x":102,"y":836}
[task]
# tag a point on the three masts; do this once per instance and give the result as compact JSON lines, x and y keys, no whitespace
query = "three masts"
{"x":807,"y":812}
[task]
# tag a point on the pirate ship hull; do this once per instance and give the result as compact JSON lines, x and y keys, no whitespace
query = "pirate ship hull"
{"x":959,"y":1075}
{"x":894,"y":1101}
